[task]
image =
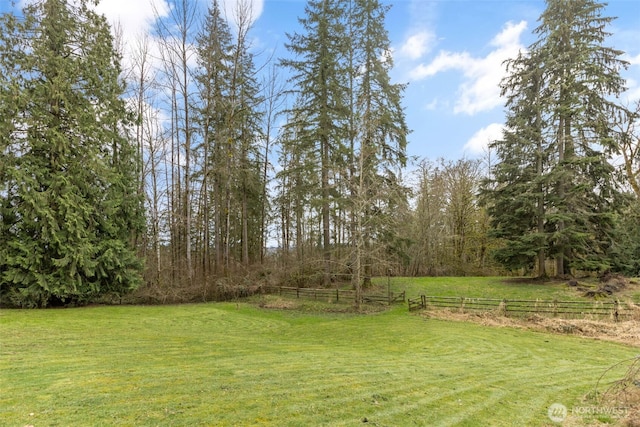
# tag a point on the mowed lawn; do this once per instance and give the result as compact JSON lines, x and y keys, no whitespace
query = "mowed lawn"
{"x":235,"y":364}
{"x":498,"y":288}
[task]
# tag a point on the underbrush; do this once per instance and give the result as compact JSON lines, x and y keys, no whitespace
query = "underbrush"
{"x":275,"y":302}
{"x":626,"y":332}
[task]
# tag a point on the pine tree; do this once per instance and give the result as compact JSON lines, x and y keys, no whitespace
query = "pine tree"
{"x":71,"y":189}
{"x":214,"y":48}
{"x":517,"y":188}
{"x":376,"y":138}
{"x":554,"y":192}
{"x":245,"y":125}
{"x":380,"y":119}
{"x":320,"y":76}
{"x":230,"y":118}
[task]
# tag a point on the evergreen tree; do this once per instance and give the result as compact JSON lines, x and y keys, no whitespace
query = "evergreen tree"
{"x":320,"y":76}
{"x":69,"y":202}
{"x":380,"y":129}
{"x":553,"y":192}
{"x":230,"y":120}
{"x":214,"y":48}
{"x":245,"y":119}
{"x":517,"y":187}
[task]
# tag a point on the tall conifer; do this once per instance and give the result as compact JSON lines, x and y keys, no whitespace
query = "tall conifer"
{"x":380,"y":132}
{"x":319,"y":74}
{"x":553,"y":192}
{"x":70,"y":203}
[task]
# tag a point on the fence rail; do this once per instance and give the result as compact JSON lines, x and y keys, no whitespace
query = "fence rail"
{"x":576,"y":309}
{"x":384,"y":298}
{"x":419,"y":303}
{"x":334,"y":295}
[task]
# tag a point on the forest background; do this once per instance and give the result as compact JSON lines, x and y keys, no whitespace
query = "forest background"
{"x":196,"y":167}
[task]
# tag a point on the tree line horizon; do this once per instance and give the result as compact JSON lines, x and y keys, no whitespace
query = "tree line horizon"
{"x":170,"y":177}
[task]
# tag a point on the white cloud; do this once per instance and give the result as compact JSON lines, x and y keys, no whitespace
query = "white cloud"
{"x":633,"y":77}
{"x":134,"y":22}
{"x":235,"y":8}
{"x":432,"y":105}
{"x":418,"y":44}
{"x":479,"y":142}
{"x":632,"y":60}
{"x":510,"y":34}
{"x":633,"y":92}
{"x":443,"y":62}
{"x":135,"y":17}
{"x":479,"y":90}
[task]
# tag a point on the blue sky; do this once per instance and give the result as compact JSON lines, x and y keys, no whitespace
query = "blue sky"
{"x":450,"y":52}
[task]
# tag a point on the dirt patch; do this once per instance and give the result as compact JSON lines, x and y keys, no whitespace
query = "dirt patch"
{"x":278,"y":304}
{"x":610,"y":284}
{"x":528,"y":280}
{"x":626,"y":332}
{"x":275,"y":302}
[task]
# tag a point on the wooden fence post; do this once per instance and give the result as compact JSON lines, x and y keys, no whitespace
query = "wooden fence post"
{"x":389,"y":286}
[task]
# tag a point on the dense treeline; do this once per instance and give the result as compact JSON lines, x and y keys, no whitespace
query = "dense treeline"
{"x":174,"y":175}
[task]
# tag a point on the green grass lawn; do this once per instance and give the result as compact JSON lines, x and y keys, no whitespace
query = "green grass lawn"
{"x":239,"y":365}
{"x":492,"y":287}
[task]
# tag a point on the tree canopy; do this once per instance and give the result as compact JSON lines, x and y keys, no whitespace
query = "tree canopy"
{"x":69,"y":205}
{"x":553,"y":192}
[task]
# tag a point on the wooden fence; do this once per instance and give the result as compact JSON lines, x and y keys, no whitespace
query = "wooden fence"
{"x":384,"y":298}
{"x":334,"y":295}
{"x":419,"y":303}
{"x":613,"y":310}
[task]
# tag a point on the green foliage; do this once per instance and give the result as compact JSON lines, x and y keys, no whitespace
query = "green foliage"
{"x":625,"y":251}
{"x":346,"y":136}
{"x":228,"y":119}
{"x":448,"y":227}
{"x":69,"y":208}
{"x":318,"y":119}
{"x":553,"y":192}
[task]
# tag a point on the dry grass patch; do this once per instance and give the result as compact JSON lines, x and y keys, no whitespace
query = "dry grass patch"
{"x":626,"y":332}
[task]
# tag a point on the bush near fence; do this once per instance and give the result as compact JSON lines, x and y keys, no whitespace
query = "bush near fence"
{"x":611,"y":309}
{"x":334,"y":295}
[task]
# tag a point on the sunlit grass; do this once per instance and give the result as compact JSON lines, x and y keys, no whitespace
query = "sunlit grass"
{"x":483,"y":287}
{"x":237,"y":364}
